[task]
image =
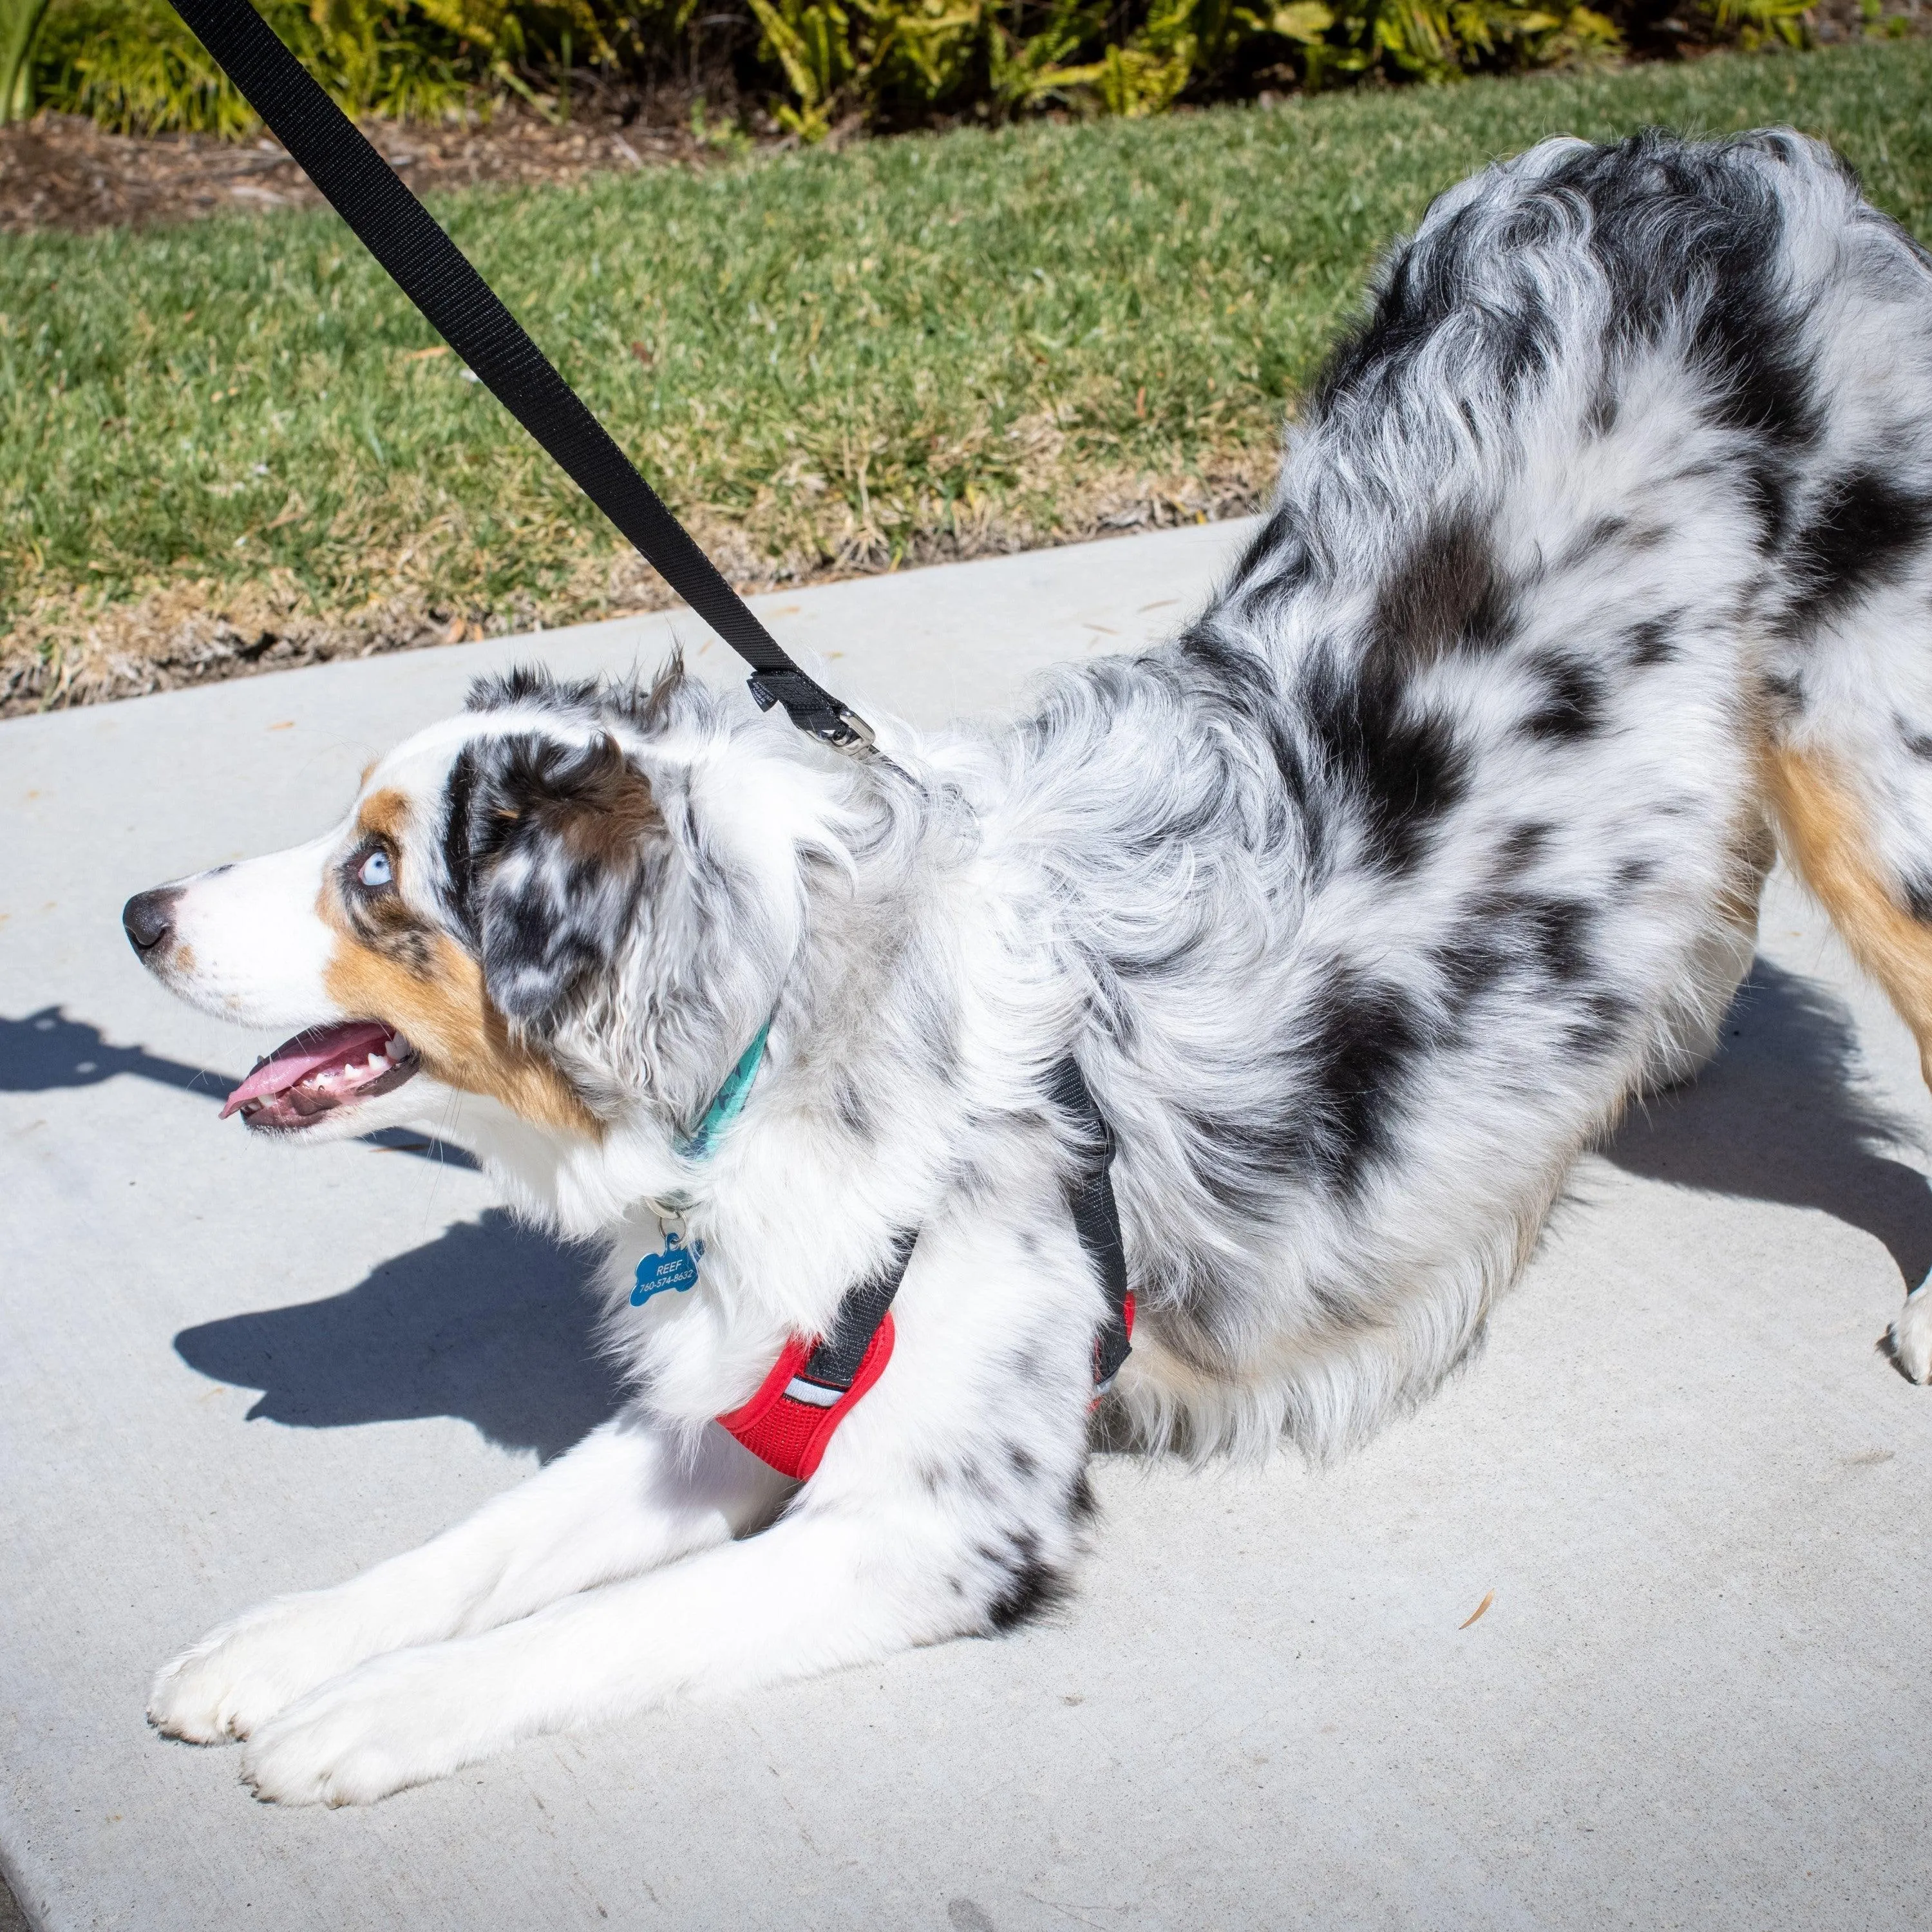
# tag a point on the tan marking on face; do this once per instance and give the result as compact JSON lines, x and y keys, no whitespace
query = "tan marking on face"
{"x":383,"y":814}
{"x":464,"y":1041}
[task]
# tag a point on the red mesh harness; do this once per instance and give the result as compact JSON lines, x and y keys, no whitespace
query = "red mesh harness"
{"x":815,"y":1384}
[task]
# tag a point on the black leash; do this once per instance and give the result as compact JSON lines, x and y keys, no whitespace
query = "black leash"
{"x":438,"y":278}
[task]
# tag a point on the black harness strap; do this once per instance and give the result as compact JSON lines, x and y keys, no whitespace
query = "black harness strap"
{"x":1096,"y":1217}
{"x":814,"y":1384}
{"x":833,"y":1364}
{"x":437,"y":277}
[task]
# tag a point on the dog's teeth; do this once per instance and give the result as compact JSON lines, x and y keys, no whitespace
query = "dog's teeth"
{"x":379,"y":1062}
{"x":396,"y":1047}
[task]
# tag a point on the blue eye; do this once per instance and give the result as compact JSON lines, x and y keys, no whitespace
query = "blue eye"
{"x":375,"y":871}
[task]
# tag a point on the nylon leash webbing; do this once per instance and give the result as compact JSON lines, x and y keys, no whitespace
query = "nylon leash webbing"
{"x":429,"y":267}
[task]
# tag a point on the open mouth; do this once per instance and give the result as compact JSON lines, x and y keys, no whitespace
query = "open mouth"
{"x":322,"y":1071}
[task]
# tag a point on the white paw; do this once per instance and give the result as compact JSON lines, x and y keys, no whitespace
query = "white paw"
{"x":1912,"y":1334}
{"x":397,"y":1721}
{"x":239,"y":1676}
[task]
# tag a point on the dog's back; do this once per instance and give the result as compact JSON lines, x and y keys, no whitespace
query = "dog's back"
{"x":1441,"y":833}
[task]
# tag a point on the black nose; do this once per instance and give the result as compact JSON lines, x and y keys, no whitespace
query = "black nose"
{"x":149,"y":917}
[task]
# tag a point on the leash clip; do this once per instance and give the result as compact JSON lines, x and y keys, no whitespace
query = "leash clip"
{"x":851,"y":735}
{"x":815,"y":712}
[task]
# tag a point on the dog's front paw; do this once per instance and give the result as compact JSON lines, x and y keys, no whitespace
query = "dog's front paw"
{"x":1911,"y":1336}
{"x":398,"y":1721}
{"x":239,"y":1676}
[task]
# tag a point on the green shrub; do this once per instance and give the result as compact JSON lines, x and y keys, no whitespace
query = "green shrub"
{"x":815,"y":64}
{"x":133,"y":67}
{"x":899,"y":60}
{"x":20,"y":23}
{"x":1752,"y":23}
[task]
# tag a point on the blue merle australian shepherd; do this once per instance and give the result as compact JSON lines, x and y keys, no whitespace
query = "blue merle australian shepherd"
{"x":1602,"y":558}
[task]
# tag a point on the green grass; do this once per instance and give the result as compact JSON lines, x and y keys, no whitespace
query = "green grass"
{"x":845,"y":359}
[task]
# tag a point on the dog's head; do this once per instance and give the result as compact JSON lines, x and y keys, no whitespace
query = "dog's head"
{"x":568,"y":899}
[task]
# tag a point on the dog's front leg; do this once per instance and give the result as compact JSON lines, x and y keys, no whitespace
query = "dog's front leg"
{"x":809,"y":1595}
{"x":951,"y":1502}
{"x":628,"y":1496}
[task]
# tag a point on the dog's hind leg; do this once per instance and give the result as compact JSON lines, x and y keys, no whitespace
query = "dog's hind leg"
{"x":1826,"y":826}
{"x":630,"y":1496}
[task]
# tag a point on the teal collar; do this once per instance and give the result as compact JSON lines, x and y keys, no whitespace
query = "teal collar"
{"x":727,"y":1105}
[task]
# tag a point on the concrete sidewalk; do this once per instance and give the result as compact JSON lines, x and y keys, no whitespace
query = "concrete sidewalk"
{"x":1691,"y":1488}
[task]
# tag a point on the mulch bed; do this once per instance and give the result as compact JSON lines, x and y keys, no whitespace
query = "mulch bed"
{"x":60,"y":171}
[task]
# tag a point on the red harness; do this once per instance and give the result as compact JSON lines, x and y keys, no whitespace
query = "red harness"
{"x":814,"y":1384}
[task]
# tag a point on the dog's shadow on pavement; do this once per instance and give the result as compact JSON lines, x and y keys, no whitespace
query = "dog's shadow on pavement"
{"x":47,"y":1051}
{"x":490,"y":1322}
{"x":1784,"y":1114}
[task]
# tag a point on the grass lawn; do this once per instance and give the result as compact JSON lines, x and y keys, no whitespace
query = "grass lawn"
{"x":828,"y":360}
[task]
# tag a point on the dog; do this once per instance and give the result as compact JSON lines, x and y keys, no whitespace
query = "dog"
{"x":1601,"y":556}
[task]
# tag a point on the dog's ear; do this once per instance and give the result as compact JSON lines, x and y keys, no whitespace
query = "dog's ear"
{"x":548,"y":845}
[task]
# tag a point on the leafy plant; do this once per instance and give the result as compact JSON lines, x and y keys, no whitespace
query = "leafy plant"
{"x":1752,"y":22}
{"x":135,"y":67}
{"x":811,"y":40}
{"x":894,"y":60}
{"x":20,"y":21}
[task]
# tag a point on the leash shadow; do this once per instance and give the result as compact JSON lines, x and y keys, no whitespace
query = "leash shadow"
{"x":1784,"y":1114}
{"x":45,"y":1052}
{"x":489,"y":1323}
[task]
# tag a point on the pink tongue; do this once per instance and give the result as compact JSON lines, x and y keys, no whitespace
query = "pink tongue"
{"x":307,"y":1053}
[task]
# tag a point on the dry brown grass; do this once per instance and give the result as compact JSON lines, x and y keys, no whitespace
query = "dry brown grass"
{"x":73,"y":649}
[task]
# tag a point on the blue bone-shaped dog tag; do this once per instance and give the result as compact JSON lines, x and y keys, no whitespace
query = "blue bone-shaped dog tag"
{"x":674,"y":1271}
